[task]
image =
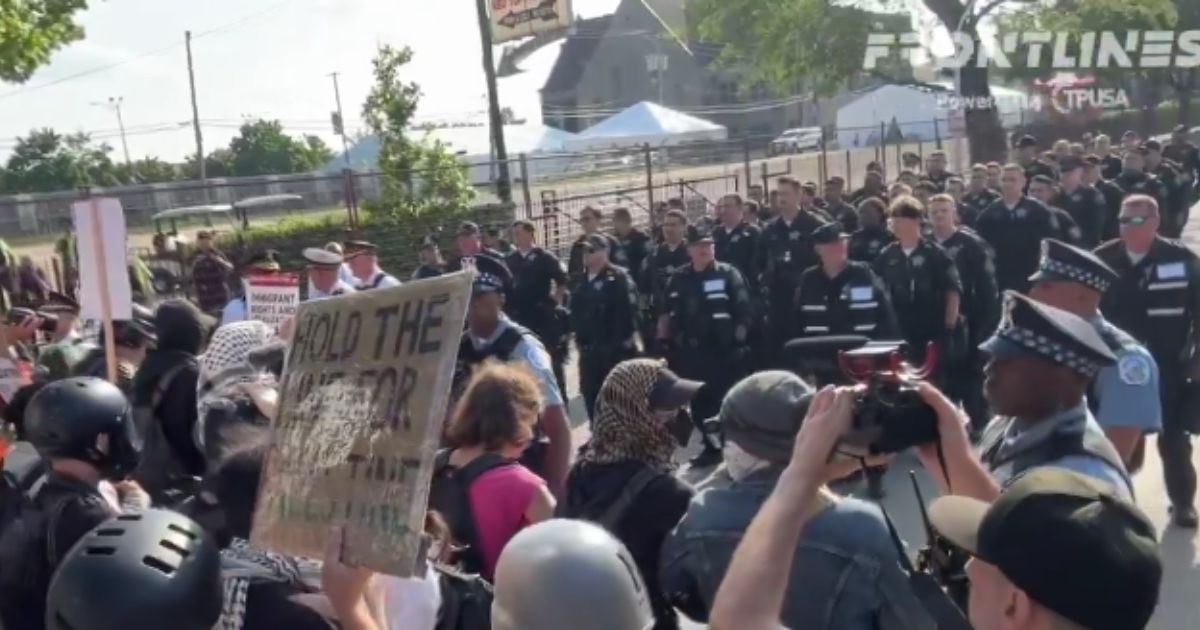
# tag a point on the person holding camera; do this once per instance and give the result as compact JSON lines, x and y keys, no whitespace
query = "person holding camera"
{"x":65,"y":346}
{"x":843,"y":574}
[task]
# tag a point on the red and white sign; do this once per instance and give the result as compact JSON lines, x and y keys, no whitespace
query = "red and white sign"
{"x":272,"y":299}
{"x":517,"y":19}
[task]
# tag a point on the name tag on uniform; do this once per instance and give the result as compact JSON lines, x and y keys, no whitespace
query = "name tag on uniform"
{"x":861,"y":294}
{"x":1171,"y":270}
{"x":712,"y":286}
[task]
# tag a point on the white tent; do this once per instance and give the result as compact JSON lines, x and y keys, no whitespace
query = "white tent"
{"x":646,"y":123}
{"x":913,"y":109}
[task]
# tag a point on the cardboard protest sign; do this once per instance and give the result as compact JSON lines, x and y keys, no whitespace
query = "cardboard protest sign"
{"x":360,"y":417}
{"x":100,"y":243}
{"x":272,"y":299}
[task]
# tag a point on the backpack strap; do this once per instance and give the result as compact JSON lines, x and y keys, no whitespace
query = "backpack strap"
{"x":466,"y":475}
{"x":164,"y":383}
{"x":637,"y":482}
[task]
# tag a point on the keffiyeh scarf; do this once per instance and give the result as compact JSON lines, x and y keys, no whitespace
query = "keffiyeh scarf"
{"x":625,"y":428}
{"x":225,"y":367}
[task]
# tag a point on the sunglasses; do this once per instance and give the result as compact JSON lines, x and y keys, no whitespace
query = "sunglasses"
{"x":1135,"y":221}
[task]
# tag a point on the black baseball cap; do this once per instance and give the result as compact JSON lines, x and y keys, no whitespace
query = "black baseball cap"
{"x":699,"y":235}
{"x":828,"y":233}
{"x":1026,"y":141}
{"x":1069,"y":163}
{"x":672,"y":392}
{"x":595,"y":242}
{"x":1069,"y":542}
{"x":468,"y":228}
{"x":1152,"y":145}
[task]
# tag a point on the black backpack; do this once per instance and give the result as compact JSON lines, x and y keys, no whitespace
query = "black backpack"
{"x":608,"y":514}
{"x":466,"y":601}
{"x":27,"y":552}
{"x":449,"y":496}
{"x":159,"y":468}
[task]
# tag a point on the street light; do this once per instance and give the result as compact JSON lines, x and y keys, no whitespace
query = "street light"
{"x":115,"y":104}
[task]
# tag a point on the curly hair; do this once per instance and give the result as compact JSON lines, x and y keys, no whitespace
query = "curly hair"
{"x":499,"y":406}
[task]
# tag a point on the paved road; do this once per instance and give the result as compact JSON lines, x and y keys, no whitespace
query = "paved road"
{"x":1179,"y":605}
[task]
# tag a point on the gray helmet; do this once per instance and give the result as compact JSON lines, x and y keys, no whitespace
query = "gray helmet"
{"x":568,"y":574}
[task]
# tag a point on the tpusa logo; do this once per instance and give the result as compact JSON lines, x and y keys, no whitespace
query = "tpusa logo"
{"x":1048,"y":51}
{"x":1063,"y":99}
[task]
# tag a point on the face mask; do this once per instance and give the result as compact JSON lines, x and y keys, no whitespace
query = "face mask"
{"x":678,"y":423}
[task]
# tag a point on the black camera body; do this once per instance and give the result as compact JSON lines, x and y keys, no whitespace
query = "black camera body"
{"x":890,"y":416}
{"x":48,"y":324}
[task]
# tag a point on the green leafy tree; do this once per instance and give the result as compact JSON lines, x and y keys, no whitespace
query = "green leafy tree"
{"x":416,"y":176}
{"x":219,"y":163}
{"x":263,"y":148}
{"x":46,"y":161}
{"x":319,"y":153}
{"x":148,"y":170}
{"x":31,"y":30}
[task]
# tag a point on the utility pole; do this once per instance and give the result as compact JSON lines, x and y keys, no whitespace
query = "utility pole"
{"x":339,"y":126}
{"x":187,"y":40}
{"x":115,"y":104}
{"x":503,"y":183}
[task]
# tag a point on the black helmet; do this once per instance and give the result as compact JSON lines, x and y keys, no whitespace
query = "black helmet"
{"x":151,"y":570}
{"x":84,"y":418}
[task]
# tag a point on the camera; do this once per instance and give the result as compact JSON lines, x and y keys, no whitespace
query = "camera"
{"x":890,"y":416}
{"x":49,"y":322}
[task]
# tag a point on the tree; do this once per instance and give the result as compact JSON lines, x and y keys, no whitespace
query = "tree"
{"x":219,"y":163}
{"x":416,"y":176}
{"x":319,"y":153}
{"x":31,"y":30}
{"x":263,"y":148}
{"x":46,"y":161}
{"x":148,"y":170}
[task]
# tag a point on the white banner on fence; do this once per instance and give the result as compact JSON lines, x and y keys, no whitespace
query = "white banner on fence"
{"x":272,"y":299}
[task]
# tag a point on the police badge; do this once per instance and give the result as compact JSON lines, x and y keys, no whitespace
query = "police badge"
{"x":1021,"y":212}
{"x":918,"y":261}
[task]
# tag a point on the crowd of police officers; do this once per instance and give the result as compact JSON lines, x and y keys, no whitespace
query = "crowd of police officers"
{"x":925,"y":260}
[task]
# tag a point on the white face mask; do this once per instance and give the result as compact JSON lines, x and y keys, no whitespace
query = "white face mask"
{"x":739,"y":464}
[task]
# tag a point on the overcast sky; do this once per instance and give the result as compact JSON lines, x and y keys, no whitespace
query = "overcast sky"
{"x":260,"y":58}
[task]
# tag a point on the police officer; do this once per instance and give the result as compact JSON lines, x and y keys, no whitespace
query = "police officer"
{"x":469,"y":242}
{"x":1177,"y":188}
{"x":1181,"y":151}
{"x":539,"y":288}
{"x":432,"y":264}
{"x":785,"y":254}
{"x":873,"y":186}
{"x":923,"y":283}
{"x":1112,"y":196}
{"x":1041,"y":360}
{"x":872,"y":235}
{"x":737,"y":239}
{"x":633,"y":245}
{"x":1134,"y":180}
{"x":604,"y":318}
{"x":1086,"y":205}
{"x":82,"y":428}
{"x":840,"y":296}
{"x":1111,"y":162}
{"x":1124,"y":396}
{"x":705,"y":324}
{"x":1043,"y":189}
{"x":1027,"y":156}
{"x":1156,"y":298}
{"x":975,"y":262}
{"x":670,"y":256}
{"x":935,"y":170}
{"x":589,"y":219}
{"x":364,"y":264}
{"x":1015,"y":226}
{"x":323,"y":274}
{"x":836,"y":206}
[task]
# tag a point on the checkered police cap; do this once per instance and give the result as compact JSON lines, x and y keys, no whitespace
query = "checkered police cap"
{"x":1061,"y":261}
{"x":1048,"y":333}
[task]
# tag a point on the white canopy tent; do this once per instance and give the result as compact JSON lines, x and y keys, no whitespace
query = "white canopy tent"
{"x":646,"y":123}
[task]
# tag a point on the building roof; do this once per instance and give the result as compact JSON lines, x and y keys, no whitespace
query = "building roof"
{"x":576,"y":53}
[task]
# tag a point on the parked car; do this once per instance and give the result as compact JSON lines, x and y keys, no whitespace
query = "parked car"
{"x":796,"y":141}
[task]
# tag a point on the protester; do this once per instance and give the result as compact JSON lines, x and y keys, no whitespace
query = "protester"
{"x":132,"y":338}
{"x":210,"y":274}
{"x":81,"y":428}
{"x":569,"y":574}
{"x":157,"y":571}
{"x":843,"y":573}
{"x":623,"y":478}
{"x":164,"y":397}
{"x":1045,"y":549}
{"x":496,"y":415}
{"x":230,"y":388}
{"x":65,"y":347}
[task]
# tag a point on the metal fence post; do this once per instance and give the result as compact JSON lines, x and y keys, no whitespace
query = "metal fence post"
{"x":921,"y":150}
{"x":765,"y":177}
{"x":824,"y":170}
{"x":351,"y":200}
{"x":524,"y":164}
{"x":883,"y":144}
{"x":649,"y":178}
{"x":746,"y":161}
{"x":849,"y":169}
{"x":937,"y":133}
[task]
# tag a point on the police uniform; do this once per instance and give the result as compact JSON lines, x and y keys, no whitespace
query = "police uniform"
{"x":1111,"y":166}
{"x":918,"y":283}
{"x":1157,"y":300}
{"x":1088,"y":209}
{"x":974,"y":203}
{"x":317,"y":257}
{"x":866,"y":243}
{"x":786,"y":252}
{"x":739,"y":247}
{"x":531,"y":302}
{"x":604,"y":318}
{"x":663,"y":261}
{"x":1178,"y":196}
{"x":1038,"y":167}
{"x":1124,"y":394}
{"x":708,"y":314}
{"x":1113,"y":195}
{"x":854,"y":302}
{"x":575,"y":266}
{"x":632,"y":250}
{"x":1139,"y":183}
{"x":1016,"y":235}
{"x":843,"y":213}
{"x":1068,"y":439}
{"x":980,"y":307}
{"x":1187,"y":156}
{"x":379,"y":279}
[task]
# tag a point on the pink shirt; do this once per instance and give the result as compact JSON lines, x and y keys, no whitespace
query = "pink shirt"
{"x":499,"y":499}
